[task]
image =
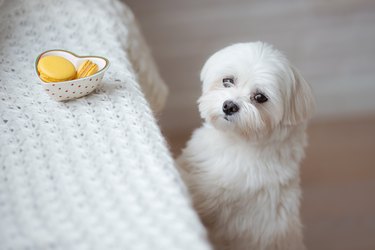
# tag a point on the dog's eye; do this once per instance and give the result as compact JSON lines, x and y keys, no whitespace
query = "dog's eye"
{"x":228,"y":82}
{"x":260,"y":98}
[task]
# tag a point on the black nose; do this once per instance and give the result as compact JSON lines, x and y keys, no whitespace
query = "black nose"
{"x":229,"y":108}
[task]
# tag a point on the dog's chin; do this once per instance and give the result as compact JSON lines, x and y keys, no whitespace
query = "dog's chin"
{"x":217,"y":120}
{"x":228,"y":124}
{"x":221,"y":122}
{"x":234,"y":125}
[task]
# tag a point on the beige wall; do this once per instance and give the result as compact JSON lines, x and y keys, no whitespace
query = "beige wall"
{"x":331,"y":42}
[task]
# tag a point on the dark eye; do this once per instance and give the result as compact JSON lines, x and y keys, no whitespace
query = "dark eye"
{"x":260,"y":98}
{"x":228,"y":82}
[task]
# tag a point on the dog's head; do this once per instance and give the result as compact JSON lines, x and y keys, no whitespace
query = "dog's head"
{"x":251,"y":88}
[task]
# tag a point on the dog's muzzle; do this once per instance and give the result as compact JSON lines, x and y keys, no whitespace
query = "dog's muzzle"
{"x":230,"y":107}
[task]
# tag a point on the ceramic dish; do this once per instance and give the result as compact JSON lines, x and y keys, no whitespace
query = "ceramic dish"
{"x":62,"y":91}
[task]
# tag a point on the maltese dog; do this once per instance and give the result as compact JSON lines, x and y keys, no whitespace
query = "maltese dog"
{"x":242,"y":166}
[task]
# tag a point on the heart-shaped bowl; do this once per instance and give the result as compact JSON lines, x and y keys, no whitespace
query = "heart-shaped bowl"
{"x":62,"y":91}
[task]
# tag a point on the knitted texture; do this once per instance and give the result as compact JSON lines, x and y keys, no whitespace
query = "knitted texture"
{"x":92,"y":173}
{"x":153,"y":86}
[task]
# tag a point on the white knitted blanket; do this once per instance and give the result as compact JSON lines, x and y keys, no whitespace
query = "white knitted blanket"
{"x":93,"y":173}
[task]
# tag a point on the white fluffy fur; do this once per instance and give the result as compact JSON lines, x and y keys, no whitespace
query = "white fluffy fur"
{"x":242,"y":170}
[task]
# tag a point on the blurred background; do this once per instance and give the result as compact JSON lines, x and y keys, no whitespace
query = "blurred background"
{"x":332,"y":42}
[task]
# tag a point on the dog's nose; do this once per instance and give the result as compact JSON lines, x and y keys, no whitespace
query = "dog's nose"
{"x":229,"y":108}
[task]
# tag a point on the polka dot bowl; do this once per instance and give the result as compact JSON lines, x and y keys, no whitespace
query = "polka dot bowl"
{"x":62,"y":91}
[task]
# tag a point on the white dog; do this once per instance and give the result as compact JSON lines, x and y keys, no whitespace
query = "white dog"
{"x":242,"y":166}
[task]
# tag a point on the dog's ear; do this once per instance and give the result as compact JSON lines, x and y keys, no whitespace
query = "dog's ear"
{"x":205,"y":74}
{"x":301,"y":105}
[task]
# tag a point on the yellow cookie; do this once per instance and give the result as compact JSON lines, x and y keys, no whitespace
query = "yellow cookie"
{"x":56,"y":69}
{"x":87,"y":68}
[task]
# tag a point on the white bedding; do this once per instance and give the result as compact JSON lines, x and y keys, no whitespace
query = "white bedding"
{"x":93,"y":173}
